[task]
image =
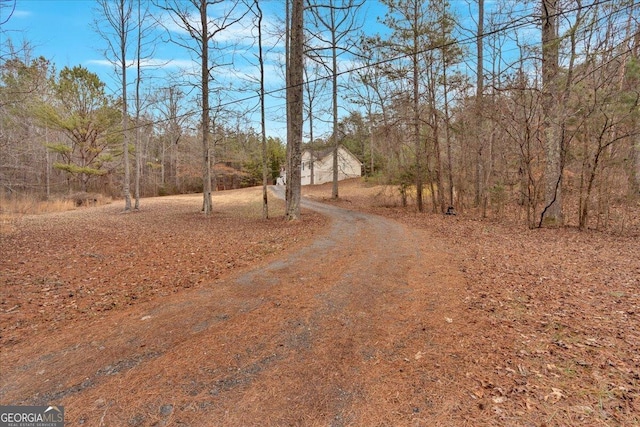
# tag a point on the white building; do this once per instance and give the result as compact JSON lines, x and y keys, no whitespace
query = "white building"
{"x":317,"y":166}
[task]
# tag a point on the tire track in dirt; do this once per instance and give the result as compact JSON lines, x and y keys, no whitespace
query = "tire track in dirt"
{"x":328,"y":335}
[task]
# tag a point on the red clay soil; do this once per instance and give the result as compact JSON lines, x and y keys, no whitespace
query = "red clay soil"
{"x":371,"y":315}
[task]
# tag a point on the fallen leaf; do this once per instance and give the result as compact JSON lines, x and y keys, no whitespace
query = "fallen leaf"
{"x":499,"y":399}
{"x":555,"y":395}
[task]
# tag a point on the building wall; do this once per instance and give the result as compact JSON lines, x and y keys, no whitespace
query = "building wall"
{"x":348,"y":167}
{"x":306,"y":168}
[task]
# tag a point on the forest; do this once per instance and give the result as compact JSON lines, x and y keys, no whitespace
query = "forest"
{"x":527,"y":109}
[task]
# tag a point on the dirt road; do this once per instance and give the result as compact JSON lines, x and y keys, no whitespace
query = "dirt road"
{"x":348,"y":330}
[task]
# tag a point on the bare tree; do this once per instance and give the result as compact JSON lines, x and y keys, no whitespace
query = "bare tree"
{"x":338,"y":19}
{"x":552,"y":213}
{"x":263,"y":129}
{"x":444,"y":26}
{"x":203,"y":30}
{"x":7,"y":8}
{"x":120,"y":25}
{"x":314,"y":87}
{"x":144,"y":30}
{"x":172,"y":122}
{"x":480,"y":169}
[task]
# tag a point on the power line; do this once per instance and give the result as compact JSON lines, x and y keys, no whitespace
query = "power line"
{"x":515,"y":24}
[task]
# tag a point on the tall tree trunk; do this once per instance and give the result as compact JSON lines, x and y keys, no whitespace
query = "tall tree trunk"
{"x":312,"y":153}
{"x":371,"y":142}
{"x":125,"y":110}
{"x":635,"y":167}
{"x":416,"y":107}
{"x":138,"y":159}
{"x":337,"y":25}
{"x":48,"y":162}
{"x":479,"y":184}
{"x":206,"y":152}
{"x":552,"y":213}
{"x":263,"y":129}
{"x":310,"y":103}
{"x":287,"y":79}
{"x":163,"y":151}
{"x":334,"y":79}
{"x":295,"y":106}
{"x":438,"y":155}
{"x":446,"y":120}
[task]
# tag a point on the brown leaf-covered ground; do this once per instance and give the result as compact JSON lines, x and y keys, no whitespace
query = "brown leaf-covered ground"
{"x":165,"y":317}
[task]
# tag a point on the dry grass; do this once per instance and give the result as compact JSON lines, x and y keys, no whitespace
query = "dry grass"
{"x":247,"y":203}
{"x":15,"y":207}
{"x":29,"y":204}
{"x":32,"y":205}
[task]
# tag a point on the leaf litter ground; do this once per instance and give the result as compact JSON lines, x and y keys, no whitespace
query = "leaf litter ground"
{"x":490,"y":324}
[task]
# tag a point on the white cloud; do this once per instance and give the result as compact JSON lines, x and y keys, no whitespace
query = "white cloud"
{"x":242,"y":33}
{"x":151,"y":63}
{"x":100,"y":62}
{"x":169,"y":63}
{"x":21,"y":14}
{"x":175,"y":25}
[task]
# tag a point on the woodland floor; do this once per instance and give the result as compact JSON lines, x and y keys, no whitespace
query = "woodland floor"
{"x":361,"y":314}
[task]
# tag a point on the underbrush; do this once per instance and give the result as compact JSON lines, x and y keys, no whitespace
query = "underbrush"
{"x":617,"y":216}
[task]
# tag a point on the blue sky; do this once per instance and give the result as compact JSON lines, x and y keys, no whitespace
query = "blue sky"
{"x":63,"y":32}
{"x":58,"y":30}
